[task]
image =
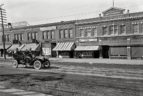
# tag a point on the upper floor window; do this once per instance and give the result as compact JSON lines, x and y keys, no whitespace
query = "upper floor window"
{"x":115,"y":29}
{"x":7,"y":38}
{"x":48,"y":34}
{"x":32,"y":35}
{"x":135,"y":28}
{"x":52,"y":34}
{"x":15,"y":37}
{"x":61,"y":34}
{"x":95,"y":32}
{"x":29,"y":36}
{"x":111,"y":29}
{"x":66,"y":34}
{"x":44,"y":35}
{"x":122,"y":29}
{"x":82,"y":31}
{"x":70,"y":33}
{"x":105,"y":30}
{"x":18,"y":36}
{"x":88,"y":32}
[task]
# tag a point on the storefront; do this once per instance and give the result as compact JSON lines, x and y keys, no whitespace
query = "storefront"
{"x":118,"y":52}
{"x":114,"y":47}
{"x":65,"y":49}
{"x":136,"y":47}
{"x":87,"y":52}
{"x":46,"y":49}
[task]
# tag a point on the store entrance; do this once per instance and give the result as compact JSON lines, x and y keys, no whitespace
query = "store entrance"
{"x":53,"y":52}
{"x":105,"y":51}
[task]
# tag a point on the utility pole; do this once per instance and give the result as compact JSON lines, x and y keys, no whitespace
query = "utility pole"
{"x":3,"y":19}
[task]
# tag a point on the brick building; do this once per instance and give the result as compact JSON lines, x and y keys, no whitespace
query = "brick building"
{"x":116,"y":33}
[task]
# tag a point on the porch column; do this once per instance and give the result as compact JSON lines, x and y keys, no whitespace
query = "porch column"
{"x":129,"y":52}
{"x":100,"y":52}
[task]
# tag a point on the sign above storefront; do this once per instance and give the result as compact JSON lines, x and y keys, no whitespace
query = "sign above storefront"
{"x":48,"y":28}
{"x":87,"y":40}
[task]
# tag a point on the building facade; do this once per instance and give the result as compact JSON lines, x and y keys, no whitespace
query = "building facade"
{"x":119,"y":34}
{"x":114,"y":34}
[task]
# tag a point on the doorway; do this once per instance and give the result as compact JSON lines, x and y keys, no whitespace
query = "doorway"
{"x":105,"y":51}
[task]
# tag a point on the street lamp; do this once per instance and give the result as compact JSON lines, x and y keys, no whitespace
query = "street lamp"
{"x":3,"y":18}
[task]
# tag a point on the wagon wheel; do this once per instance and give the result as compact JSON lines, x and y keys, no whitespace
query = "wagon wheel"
{"x":15,"y":64}
{"x":47,"y":64}
{"x":37,"y":64}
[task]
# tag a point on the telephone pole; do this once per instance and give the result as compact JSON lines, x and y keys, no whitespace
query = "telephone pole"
{"x":3,"y":21}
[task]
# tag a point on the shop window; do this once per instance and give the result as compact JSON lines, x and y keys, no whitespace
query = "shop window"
{"x":66,"y":34}
{"x":118,"y":51}
{"x":135,"y":28}
{"x":70,"y":33}
{"x":105,"y":31}
{"x":122,"y":29}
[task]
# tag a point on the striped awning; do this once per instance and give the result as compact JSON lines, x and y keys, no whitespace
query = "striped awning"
{"x":32,"y":46}
{"x":14,"y":46}
{"x":64,"y":46}
{"x":87,"y":48}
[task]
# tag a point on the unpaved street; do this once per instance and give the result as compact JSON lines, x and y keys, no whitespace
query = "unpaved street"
{"x":56,"y":81}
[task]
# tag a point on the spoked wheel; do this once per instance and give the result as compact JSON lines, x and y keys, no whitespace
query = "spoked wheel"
{"x":46,"y":64}
{"x":27,"y":60}
{"x":37,"y":65}
{"x":15,"y":64}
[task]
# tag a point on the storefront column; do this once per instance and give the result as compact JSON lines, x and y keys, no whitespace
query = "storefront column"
{"x":100,"y":53}
{"x":128,"y":52}
{"x":57,"y":54}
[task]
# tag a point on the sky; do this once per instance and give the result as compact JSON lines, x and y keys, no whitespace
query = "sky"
{"x":47,"y":11}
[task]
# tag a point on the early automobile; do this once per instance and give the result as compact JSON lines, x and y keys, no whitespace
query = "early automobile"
{"x":27,"y":58}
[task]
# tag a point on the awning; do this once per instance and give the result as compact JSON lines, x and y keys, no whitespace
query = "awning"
{"x":6,"y":46}
{"x":87,"y":48}
{"x":32,"y":47}
{"x":66,"y":46}
{"x":14,"y":46}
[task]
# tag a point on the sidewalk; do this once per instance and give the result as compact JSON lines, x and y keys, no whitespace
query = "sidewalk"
{"x":99,"y":61}
{"x":91,"y":60}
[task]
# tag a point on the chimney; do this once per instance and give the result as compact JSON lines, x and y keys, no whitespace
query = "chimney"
{"x":128,"y":11}
{"x":100,"y":15}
